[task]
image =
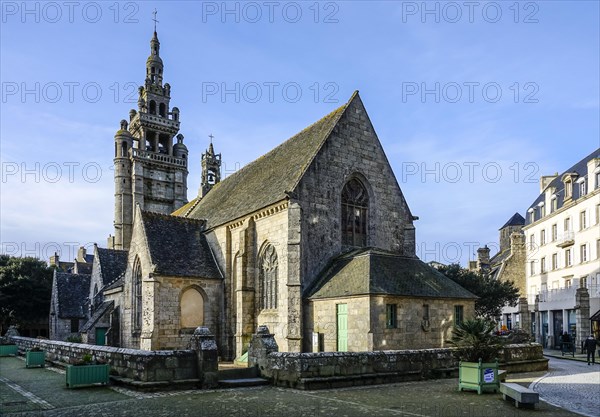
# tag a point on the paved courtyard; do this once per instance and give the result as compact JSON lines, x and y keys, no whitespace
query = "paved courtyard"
{"x":42,"y":392}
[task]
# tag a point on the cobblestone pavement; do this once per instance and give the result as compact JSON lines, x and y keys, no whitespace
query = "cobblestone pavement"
{"x":572,"y":385}
{"x":42,"y":392}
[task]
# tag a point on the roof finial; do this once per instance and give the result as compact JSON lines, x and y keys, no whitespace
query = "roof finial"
{"x":211,"y":138}
{"x":154,"y":19}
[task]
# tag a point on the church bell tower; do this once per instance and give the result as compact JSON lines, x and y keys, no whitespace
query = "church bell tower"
{"x":149,"y":169}
{"x":211,"y":169}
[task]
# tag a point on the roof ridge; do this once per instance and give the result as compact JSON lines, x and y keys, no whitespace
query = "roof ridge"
{"x":326,"y":136}
{"x":170,"y":216}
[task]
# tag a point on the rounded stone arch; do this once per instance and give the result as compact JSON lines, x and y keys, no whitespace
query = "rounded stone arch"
{"x":356,"y":213}
{"x":193,"y":303}
{"x":267,"y":264}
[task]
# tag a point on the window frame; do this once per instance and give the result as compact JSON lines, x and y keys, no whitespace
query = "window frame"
{"x":355,"y":202}
{"x":391,"y":316}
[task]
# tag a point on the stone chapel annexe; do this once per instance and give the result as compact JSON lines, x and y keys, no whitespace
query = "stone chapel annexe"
{"x":313,"y":239}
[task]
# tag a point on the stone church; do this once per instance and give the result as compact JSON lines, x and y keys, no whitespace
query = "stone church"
{"x":313,"y":239}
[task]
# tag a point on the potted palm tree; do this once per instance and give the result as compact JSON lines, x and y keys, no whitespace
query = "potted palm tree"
{"x":477,"y":349}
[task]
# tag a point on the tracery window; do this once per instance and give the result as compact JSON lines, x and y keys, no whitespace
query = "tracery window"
{"x":355,"y":210}
{"x":269,"y":267}
{"x":137,"y":295}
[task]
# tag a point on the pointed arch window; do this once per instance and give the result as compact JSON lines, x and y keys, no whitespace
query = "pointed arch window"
{"x":269,"y":267}
{"x":152,"y":104}
{"x":355,"y":212}
{"x":137,"y":295}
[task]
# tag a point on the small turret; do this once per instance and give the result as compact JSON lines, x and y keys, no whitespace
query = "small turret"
{"x":179,"y":149}
{"x":211,"y":169}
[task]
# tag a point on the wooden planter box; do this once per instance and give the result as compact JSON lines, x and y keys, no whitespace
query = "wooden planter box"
{"x":478,"y":376}
{"x":7,"y":350}
{"x":87,"y":375}
{"x":37,"y":358}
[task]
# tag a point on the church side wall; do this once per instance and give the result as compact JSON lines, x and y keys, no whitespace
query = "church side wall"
{"x":167,"y":318}
{"x":412,"y":330}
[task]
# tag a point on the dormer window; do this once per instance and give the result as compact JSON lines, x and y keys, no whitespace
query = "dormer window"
{"x":542,"y":209}
{"x":568,"y":189}
{"x":531,"y":213}
{"x":553,"y":203}
{"x":582,"y":186}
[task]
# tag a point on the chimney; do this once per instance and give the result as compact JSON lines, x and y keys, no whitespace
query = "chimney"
{"x":517,"y":242}
{"x":54,"y":260}
{"x":483,"y":258}
{"x":545,"y":180}
{"x":81,"y":254}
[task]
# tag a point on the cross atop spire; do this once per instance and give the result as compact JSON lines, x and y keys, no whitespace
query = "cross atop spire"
{"x":211,"y":137}
{"x":154,"y":19}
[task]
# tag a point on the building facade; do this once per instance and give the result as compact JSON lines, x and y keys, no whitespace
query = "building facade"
{"x":562,"y":232}
{"x":265,"y":245}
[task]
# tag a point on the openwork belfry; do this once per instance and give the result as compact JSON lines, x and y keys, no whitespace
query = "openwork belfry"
{"x":268,"y":278}
{"x":355,"y":211}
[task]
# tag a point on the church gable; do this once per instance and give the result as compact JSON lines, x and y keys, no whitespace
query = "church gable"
{"x":350,"y":196}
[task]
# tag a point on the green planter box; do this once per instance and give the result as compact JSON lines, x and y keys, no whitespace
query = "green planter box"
{"x":7,"y":350}
{"x":35,"y":359}
{"x":478,"y":376}
{"x":87,"y":375}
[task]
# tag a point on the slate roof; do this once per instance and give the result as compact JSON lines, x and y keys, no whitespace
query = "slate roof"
{"x":580,"y":168}
{"x":84,"y":268}
{"x":374,"y":271}
{"x":113,"y":263}
{"x":72,"y":293}
{"x":515,"y":220}
{"x":266,"y":180}
{"x":98,"y":313}
{"x":115,"y":284}
{"x":178,"y":247}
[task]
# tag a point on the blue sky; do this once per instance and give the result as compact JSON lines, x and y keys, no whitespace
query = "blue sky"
{"x":471,"y":103}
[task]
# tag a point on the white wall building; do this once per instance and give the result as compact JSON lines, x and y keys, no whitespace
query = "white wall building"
{"x":562,"y":232}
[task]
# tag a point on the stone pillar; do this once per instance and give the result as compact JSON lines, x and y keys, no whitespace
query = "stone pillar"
{"x":261,"y":344}
{"x":582,"y":307}
{"x":538,"y":320}
{"x":524,"y":316}
{"x":245,"y":276}
{"x":207,"y":359}
{"x":294,"y":289}
{"x":156,"y":141}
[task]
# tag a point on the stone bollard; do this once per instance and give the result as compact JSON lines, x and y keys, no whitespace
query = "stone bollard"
{"x":261,"y":344}
{"x":207,"y":359}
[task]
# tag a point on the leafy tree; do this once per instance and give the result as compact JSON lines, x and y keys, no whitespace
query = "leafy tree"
{"x":493,"y":294}
{"x":25,"y":290}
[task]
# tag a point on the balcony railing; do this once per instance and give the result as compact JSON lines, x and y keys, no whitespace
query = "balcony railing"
{"x":567,"y":239}
{"x":565,"y":294}
{"x":159,"y":157}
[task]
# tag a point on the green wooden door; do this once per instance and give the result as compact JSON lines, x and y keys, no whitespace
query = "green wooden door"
{"x":101,"y":336}
{"x":342,"y":327}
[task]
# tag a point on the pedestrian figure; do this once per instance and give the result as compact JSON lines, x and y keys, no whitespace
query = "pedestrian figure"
{"x":590,"y":346}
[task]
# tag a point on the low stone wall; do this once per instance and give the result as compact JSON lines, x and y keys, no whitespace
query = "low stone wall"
{"x":139,"y":365}
{"x":197,"y":365}
{"x":337,"y":369}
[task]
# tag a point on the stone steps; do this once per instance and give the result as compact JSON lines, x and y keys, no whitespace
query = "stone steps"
{"x":235,"y":372}
{"x":242,"y":382}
